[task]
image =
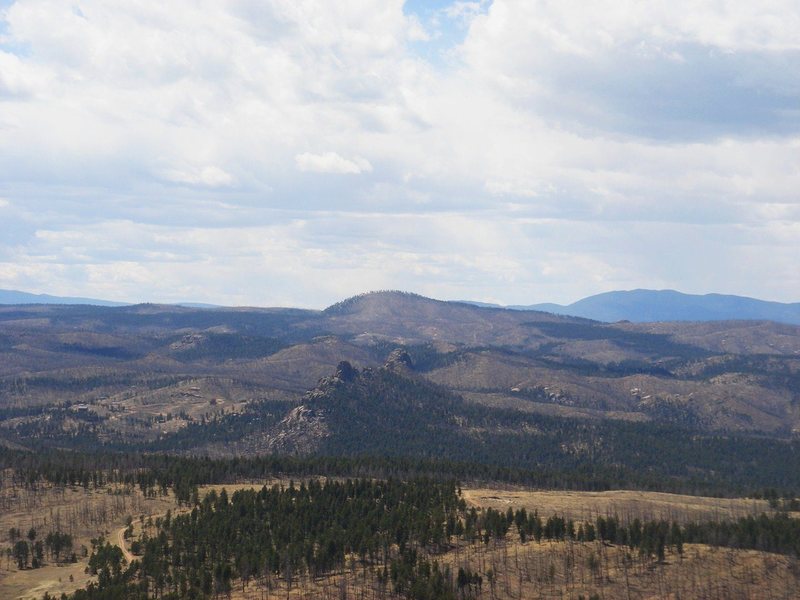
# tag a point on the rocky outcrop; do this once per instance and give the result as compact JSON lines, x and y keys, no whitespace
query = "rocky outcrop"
{"x":399,"y":362}
{"x":345,"y":371}
{"x":305,"y":427}
{"x":300,"y":432}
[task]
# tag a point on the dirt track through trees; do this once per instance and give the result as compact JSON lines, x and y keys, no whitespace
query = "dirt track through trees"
{"x":122,"y":546}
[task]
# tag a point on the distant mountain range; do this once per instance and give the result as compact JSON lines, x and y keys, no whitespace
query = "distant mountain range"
{"x":638,"y":306}
{"x":17,"y":297}
{"x":641,"y":306}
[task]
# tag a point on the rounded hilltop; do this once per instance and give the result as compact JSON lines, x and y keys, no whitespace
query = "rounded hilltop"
{"x":377,"y":301}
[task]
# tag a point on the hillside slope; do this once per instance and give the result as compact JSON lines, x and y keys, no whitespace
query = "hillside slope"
{"x":392,"y":411}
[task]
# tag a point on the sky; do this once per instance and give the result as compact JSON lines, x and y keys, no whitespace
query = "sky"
{"x":294,"y":153}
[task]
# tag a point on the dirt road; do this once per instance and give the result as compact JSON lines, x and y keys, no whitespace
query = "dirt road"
{"x":121,"y":543}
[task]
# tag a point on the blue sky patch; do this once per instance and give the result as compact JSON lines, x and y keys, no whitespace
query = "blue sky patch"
{"x":447,"y":24}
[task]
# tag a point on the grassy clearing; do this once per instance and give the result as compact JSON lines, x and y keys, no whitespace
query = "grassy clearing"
{"x":627,"y":504}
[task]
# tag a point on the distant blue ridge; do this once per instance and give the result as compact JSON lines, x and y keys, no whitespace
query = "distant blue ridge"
{"x":642,"y":306}
{"x":16,"y":297}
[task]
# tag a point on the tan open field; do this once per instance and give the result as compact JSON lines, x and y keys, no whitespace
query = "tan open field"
{"x":623,"y":503}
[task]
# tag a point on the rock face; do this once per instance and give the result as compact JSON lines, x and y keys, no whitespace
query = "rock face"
{"x":399,"y":362}
{"x":300,"y":432}
{"x":188,"y":342}
{"x":304,"y":428}
{"x":345,"y":371}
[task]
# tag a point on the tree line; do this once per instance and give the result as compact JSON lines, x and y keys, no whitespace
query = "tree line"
{"x":31,"y":551}
{"x":157,"y":473}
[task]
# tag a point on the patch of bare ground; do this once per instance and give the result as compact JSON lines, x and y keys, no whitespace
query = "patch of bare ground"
{"x":626,"y":504}
{"x":83,"y":513}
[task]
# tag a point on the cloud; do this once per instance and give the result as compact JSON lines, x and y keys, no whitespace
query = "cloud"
{"x":18,"y":80}
{"x":692,"y":71}
{"x":417,"y":31}
{"x":330,"y":162}
{"x":465,"y":11}
{"x":541,"y":150}
{"x":316,"y":258}
{"x":209,"y":176}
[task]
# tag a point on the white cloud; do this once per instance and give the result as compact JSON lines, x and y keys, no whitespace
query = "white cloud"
{"x":465,"y":11}
{"x":417,"y":31}
{"x":18,"y":80}
{"x":522,"y":188}
{"x":584,"y":28}
{"x":314,"y":259}
{"x":682,"y":69}
{"x":209,"y":176}
{"x":330,"y":162}
{"x":554,"y":153}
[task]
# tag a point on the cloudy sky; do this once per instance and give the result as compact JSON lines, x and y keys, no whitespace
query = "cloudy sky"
{"x":296,"y":152}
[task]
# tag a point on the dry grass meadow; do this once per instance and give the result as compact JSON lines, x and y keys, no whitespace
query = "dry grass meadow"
{"x":626,"y":504}
{"x":83,"y":513}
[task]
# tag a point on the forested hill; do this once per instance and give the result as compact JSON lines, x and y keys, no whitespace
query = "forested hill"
{"x":392,"y":411}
